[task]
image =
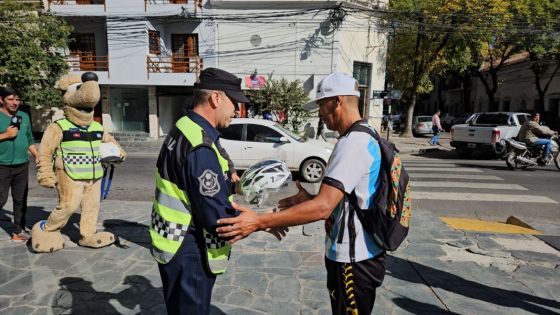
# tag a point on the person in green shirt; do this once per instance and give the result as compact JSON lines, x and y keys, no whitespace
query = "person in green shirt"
{"x":16,"y":139}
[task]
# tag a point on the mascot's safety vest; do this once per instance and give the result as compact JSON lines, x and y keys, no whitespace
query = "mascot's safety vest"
{"x":79,"y":150}
{"x":171,"y":211}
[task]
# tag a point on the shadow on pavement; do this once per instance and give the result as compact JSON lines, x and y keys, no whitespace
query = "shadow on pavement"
{"x":33,"y":215}
{"x":77,"y":296}
{"x":128,"y":230}
{"x":452,"y":283}
{"x":417,"y":307}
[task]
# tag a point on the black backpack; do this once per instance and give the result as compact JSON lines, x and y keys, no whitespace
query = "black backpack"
{"x":387,"y":219}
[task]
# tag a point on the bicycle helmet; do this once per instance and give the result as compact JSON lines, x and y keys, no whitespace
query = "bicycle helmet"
{"x":109,"y":153}
{"x":261,"y":179}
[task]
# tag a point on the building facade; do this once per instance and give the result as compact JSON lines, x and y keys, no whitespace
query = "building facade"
{"x":516,"y":92}
{"x":148,"y":53}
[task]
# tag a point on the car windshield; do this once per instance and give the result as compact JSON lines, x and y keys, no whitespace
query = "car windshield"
{"x":424,"y":119}
{"x":492,"y":119}
{"x":290,"y":133}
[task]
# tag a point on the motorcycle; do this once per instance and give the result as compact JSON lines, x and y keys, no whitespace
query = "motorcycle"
{"x":520,"y":156}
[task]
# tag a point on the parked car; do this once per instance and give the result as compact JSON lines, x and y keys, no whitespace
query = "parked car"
{"x":422,"y":125}
{"x":483,"y":132}
{"x":249,"y":141}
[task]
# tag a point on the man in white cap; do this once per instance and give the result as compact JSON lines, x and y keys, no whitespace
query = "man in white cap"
{"x":355,"y":263}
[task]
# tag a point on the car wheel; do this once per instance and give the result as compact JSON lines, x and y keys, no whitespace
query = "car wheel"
{"x":312,"y":170}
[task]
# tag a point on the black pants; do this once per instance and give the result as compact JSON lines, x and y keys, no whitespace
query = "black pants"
{"x":187,"y":283}
{"x":15,"y":177}
{"x":352,"y":285}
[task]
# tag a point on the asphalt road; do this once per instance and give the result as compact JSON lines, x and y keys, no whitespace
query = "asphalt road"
{"x":133,"y":181}
{"x":508,"y":193}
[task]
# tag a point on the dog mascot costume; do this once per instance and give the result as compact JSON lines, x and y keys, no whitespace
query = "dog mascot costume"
{"x":70,"y":161}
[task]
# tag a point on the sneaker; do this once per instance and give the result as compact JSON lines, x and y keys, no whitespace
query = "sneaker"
{"x":19,"y":237}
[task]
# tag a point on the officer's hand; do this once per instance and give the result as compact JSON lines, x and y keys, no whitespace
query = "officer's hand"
{"x":239,"y":227}
{"x":11,"y":132}
{"x":234,"y":177}
{"x":301,"y":196}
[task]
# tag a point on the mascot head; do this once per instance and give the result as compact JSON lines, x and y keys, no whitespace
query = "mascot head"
{"x":81,"y":94}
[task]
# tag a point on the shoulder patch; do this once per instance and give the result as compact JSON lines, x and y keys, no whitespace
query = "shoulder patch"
{"x":208,"y":183}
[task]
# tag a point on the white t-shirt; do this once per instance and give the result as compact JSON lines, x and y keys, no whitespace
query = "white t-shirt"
{"x":354,"y":165}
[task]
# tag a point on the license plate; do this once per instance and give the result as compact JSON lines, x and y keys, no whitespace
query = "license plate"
{"x":471,"y":145}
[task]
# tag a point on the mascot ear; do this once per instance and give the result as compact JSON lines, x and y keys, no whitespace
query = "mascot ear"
{"x":89,"y":76}
{"x":66,"y":81}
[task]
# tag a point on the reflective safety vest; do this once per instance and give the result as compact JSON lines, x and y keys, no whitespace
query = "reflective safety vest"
{"x":171,"y":210}
{"x":79,"y":150}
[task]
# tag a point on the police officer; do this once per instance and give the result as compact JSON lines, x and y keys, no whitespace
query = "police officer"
{"x":192,"y":193}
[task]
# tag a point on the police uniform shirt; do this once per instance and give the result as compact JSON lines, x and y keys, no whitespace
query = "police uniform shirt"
{"x":354,"y":165}
{"x":207,"y":186}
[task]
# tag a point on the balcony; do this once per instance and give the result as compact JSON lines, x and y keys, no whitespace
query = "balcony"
{"x":77,"y":2}
{"x":173,"y":64}
{"x":79,"y":62}
{"x":196,"y":3}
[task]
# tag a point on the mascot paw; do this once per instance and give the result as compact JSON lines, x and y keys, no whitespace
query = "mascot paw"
{"x":43,"y":241}
{"x":48,"y":182}
{"x":97,"y":240}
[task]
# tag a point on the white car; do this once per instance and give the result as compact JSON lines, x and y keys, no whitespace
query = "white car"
{"x":248,"y":141}
{"x":422,"y":125}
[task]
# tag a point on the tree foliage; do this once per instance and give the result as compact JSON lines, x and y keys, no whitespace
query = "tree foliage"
{"x":28,"y":59}
{"x":283,"y":96}
{"x":420,"y":47}
{"x":491,"y":37}
{"x":541,"y":40}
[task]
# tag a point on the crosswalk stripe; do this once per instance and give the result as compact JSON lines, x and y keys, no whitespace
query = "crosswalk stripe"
{"x":454,"y":176}
{"x":466,"y":185}
{"x":407,"y":165}
{"x":479,"y":197}
{"x":440,"y":169}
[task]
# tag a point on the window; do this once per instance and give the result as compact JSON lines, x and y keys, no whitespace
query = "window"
{"x":492,"y":119}
{"x":258,"y":133}
{"x":506,"y":105}
{"x":233,"y":132}
{"x":183,"y":46}
{"x":82,"y":44}
{"x":154,"y":42}
{"x":362,"y":73}
{"x":554,"y":106}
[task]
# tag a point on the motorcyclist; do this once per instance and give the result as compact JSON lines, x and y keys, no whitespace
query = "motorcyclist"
{"x":531,"y":132}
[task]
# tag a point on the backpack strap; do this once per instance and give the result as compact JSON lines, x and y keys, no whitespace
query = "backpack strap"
{"x":352,"y":198}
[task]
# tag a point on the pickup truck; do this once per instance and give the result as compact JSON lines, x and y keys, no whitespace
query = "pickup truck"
{"x":483,"y":132}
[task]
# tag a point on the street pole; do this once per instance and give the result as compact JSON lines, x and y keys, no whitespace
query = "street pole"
{"x":389,"y":121}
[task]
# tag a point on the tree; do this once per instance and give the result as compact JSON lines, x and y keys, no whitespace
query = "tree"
{"x":491,"y":38}
{"x":421,"y":40}
{"x":541,"y":40}
{"x":29,"y":62}
{"x":283,"y":95}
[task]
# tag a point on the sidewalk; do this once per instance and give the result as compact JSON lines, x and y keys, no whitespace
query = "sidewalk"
{"x":437,"y":270}
{"x":419,"y":144}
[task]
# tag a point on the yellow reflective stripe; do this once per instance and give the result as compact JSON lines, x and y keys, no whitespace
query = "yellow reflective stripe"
{"x":171,"y":215}
{"x":162,"y":243}
{"x":171,"y":189}
{"x":191,"y":130}
{"x":223,"y":162}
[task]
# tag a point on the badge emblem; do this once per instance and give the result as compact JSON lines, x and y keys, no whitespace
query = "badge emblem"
{"x":208,"y":183}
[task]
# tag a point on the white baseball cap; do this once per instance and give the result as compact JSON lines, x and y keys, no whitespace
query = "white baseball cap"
{"x":335,"y":84}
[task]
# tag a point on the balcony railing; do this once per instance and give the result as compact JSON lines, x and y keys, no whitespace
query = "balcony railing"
{"x":79,"y":62}
{"x":173,"y":64}
{"x":197,"y":3}
{"x":79,"y":2}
